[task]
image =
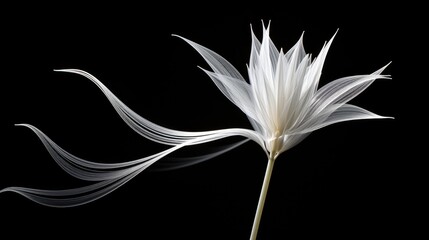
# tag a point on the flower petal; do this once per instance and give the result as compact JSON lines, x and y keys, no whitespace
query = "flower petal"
{"x":254,"y":51}
{"x":88,"y":170}
{"x":71,"y":197}
{"x":343,"y":90}
{"x":292,"y":140}
{"x":215,"y":61}
{"x":311,"y":80}
{"x":151,"y":130}
{"x":268,"y":56}
{"x":335,"y":114}
{"x":173,"y":163}
{"x":290,"y":74}
{"x":238,"y":92}
{"x":297,"y":49}
{"x":108,"y":176}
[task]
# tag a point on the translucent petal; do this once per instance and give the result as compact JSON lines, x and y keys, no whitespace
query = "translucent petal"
{"x":217,"y":63}
{"x":111,"y":176}
{"x":153,"y":131}
{"x":344,"y":89}
{"x":254,"y":52}
{"x":173,"y":163}
{"x":312,"y":77}
{"x":335,"y":114}
{"x":292,"y":140}
{"x":72,"y":197}
{"x":268,"y":56}
{"x":108,"y":176}
{"x":298,"y":48}
{"x":236,"y":91}
{"x":88,"y":170}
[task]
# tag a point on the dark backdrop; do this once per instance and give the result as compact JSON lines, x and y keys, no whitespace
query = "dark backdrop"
{"x":344,"y":180}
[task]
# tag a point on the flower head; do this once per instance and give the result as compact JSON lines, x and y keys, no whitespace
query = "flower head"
{"x":281,"y":97}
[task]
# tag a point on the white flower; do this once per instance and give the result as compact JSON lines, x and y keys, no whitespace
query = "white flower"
{"x":281,"y":99}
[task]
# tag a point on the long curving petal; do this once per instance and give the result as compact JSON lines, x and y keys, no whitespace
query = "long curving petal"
{"x":109,"y":176}
{"x":336,"y":93}
{"x":151,"y":130}
{"x":72,"y":197}
{"x":236,"y":91}
{"x":88,"y":170}
{"x":335,"y":114}
{"x":215,"y":61}
{"x":311,"y":80}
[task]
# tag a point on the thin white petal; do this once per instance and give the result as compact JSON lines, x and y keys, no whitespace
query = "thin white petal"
{"x":71,"y":197}
{"x":254,"y":52}
{"x":335,"y":114}
{"x":215,"y":61}
{"x":311,"y":80}
{"x":109,"y":176}
{"x":344,"y":89}
{"x":174,"y":163}
{"x":237,"y":91}
{"x":88,"y":170}
{"x":268,"y":56}
{"x":147,"y":128}
{"x":292,"y":140}
{"x":299,"y":48}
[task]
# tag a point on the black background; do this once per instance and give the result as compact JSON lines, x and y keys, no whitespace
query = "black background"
{"x":344,"y":180}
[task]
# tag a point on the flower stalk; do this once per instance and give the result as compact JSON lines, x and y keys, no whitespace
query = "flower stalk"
{"x":263,"y":195}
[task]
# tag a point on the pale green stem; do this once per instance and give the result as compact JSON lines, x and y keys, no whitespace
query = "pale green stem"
{"x":262,"y":197}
